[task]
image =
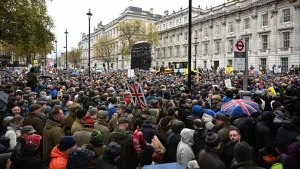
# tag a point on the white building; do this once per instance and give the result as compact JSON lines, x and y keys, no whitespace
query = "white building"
{"x":272,"y":28}
{"x":110,"y":29}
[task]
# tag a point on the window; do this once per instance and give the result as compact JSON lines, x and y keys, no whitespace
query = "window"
{"x":229,"y":62}
{"x":177,"y":21}
{"x":217,"y":29}
{"x":171,"y":39}
{"x":286,"y":15}
{"x":205,"y":32}
{"x":164,"y":52}
{"x":264,"y":19}
{"x":230,"y":28}
{"x":178,"y":37}
{"x":286,"y":39}
{"x":263,"y":63}
{"x":170,"y":24}
{"x":205,"y":64}
{"x":264,"y":41}
{"x":170,"y":52}
{"x":185,"y":50}
{"x":247,"y":23}
{"x":177,"y":51}
{"x":185,"y":19}
{"x":205,"y":48}
{"x":217,"y":43}
{"x":230,"y":45}
{"x":284,"y":64}
{"x":158,"y":53}
{"x":185,"y":36}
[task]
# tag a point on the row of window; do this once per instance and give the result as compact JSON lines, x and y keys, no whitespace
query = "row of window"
{"x":217,"y":46}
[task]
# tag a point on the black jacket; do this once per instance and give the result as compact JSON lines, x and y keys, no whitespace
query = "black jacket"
{"x":105,"y":163}
{"x":148,"y":131}
{"x":29,"y":158}
{"x":246,"y":128}
{"x":171,"y":147}
{"x":285,"y":137}
{"x":5,"y":153}
{"x":199,"y":141}
{"x":247,"y":165}
{"x":208,"y":159}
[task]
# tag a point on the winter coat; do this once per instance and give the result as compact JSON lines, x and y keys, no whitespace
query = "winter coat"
{"x":101,"y":126}
{"x":77,"y":126}
{"x":224,"y":136}
{"x":69,"y":119}
{"x":97,"y":150}
{"x":79,"y":158}
{"x":247,"y":165}
{"x":246,"y":127}
{"x":208,"y":159}
{"x":207,"y":119}
{"x":17,"y":148}
{"x":5,"y":153}
{"x":35,"y":122}
{"x":82,"y":137}
{"x":29,"y":158}
{"x":113,"y":124}
{"x":13,"y":134}
{"x":184,"y":152}
{"x":148,"y":132}
{"x":165,"y":125}
{"x":124,"y":138}
{"x":32,"y":80}
{"x":292,"y":158}
{"x":52,"y":136}
{"x":58,"y":159}
{"x":285,"y":136}
{"x":199,"y":141}
{"x":105,"y":163}
{"x":189,"y":121}
{"x":111,"y":110}
{"x":172,"y":142}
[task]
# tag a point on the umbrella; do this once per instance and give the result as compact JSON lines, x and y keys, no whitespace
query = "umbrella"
{"x":255,"y":72}
{"x":74,"y":73}
{"x":248,"y":106}
{"x":164,"y":166}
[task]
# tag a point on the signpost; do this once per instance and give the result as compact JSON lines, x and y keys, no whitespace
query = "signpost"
{"x":241,"y":60}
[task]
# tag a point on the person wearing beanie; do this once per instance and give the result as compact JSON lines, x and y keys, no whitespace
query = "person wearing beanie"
{"x":108,"y":159}
{"x":101,"y":124}
{"x":287,"y":134}
{"x":184,"y":152}
{"x":28,"y":156}
{"x":52,"y":132}
{"x":82,"y":136}
{"x":70,"y":118}
{"x":242,"y":154}
{"x":79,"y":158}
{"x":34,"y":119}
{"x":197,"y":113}
{"x":13,"y":130}
{"x":199,"y":136}
{"x":208,"y":158}
{"x":96,"y":145}
{"x":207,"y":118}
{"x":59,"y":154}
{"x":78,"y":125}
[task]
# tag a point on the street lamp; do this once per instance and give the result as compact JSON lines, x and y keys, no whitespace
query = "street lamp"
{"x":56,"y":53}
{"x":89,"y":14}
{"x":196,"y":43}
{"x":66,"y":32}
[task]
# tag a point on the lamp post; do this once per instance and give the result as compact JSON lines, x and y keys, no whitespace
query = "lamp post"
{"x":89,"y":14}
{"x":196,"y":43}
{"x":66,"y":32}
{"x":56,"y":53}
{"x":190,"y":46}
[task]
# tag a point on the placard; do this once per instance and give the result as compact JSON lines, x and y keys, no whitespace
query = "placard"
{"x":228,"y":83}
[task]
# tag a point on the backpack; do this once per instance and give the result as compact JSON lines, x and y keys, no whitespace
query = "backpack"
{"x":279,"y":165}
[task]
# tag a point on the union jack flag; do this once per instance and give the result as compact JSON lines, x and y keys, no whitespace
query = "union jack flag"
{"x":248,"y":106}
{"x":137,"y":94}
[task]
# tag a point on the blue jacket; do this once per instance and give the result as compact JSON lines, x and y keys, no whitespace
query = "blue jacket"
{"x":226,"y":99}
{"x":53,"y":93}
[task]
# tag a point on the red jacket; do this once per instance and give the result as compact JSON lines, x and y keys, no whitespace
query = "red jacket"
{"x":156,"y":156}
{"x":58,"y":159}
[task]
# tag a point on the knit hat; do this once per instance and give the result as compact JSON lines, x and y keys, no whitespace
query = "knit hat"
{"x":145,"y":157}
{"x":66,"y":143}
{"x":33,"y":139}
{"x":210,"y":112}
{"x":89,"y":122}
{"x":79,"y":158}
{"x":237,"y":111}
{"x":96,"y":138}
{"x":212,"y":140}
{"x":34,"y":107}
{"x":242,"y":152}
{"x":197,"y":110}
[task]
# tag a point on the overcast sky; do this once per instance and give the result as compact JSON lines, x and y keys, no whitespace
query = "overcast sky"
{"x":71,"y":14}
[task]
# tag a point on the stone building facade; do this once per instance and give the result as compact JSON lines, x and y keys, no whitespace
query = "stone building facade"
{"x":272,"y":28}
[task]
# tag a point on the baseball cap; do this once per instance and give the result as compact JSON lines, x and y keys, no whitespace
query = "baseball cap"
{"x":33,"y":139}
{"x":27,"y":130}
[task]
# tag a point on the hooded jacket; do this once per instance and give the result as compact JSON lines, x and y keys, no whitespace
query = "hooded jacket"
{"x":102,"y":126}
{"x":184,"y":150}
{"x":79,"y":158}
{"x":165,"y":125}
{"x":58,"y":159}
{"x":199,"y":140}
{"x":292,"y":158}
{"x":29,"y":158}
{"x":125,"y":139}
{"x":207,"y":119}
{"x":69,"y":119}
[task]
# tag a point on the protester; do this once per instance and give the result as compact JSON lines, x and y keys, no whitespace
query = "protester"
{"x":79,"y":158}
{"x":110,"y":156}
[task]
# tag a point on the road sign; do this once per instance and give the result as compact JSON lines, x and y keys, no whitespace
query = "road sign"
{"x":239,"y":46}
{"x":239,"y":64}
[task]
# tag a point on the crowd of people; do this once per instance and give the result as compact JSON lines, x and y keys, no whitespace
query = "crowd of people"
{"x":90,"y":122}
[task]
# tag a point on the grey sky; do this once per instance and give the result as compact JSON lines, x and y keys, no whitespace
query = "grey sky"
{"x":71,"y":14}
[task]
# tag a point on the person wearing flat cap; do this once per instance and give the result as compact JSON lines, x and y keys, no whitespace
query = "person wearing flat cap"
{"x":34,"y":119}
{"x":125,"y":141}
{"x":113,"y":123}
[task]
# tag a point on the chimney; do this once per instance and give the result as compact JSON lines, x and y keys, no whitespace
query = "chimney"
{"x":151,"y":11}
{"x":166,"y":12}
